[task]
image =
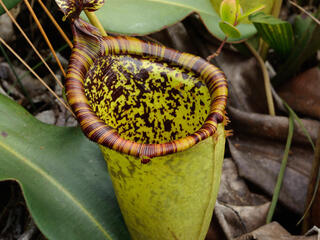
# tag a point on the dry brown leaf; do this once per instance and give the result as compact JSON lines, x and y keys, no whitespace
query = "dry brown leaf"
{"x":238,"y":211}
{"x":302,"y":93}
{"x":273,"y":231}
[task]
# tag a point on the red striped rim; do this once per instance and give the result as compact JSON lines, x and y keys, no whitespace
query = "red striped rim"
{"x":98,"y":131}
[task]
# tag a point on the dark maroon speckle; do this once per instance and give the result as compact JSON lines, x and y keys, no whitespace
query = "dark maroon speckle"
{"x":4,"y":134}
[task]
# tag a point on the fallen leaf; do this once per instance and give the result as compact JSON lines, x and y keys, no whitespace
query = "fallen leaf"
{"x":302,"y":93}
{"x":273,"y":231}
{"x":259,"y":162}
{"x":237,"y":211}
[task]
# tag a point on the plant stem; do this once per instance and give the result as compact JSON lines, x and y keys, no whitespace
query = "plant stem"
{"x":95,"y":22}
{"x":299,"y":122}
{"x":266,"y":79}
{"x":218,"y":50}
{"x":263,"y":50}
{"x":276,"y":8}
{"x":277,"y":188}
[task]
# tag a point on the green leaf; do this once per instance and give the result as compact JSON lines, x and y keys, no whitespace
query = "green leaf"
{"x":284,"y":162}
{"x":249,"y":12}
{"x":9,"y":4}
{"x":141,"y":17}
{"x":277,"y":33}
{"x":307,"y":44}
{"x":228,"y":11}
{"x":229,"y":30}
{"x":306,"y":133}
{"x":63,"y":177}
{"x":248,"y":5}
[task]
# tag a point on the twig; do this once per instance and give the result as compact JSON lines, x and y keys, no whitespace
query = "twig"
{"x":29,"y":41}
{"x":18,"y":80}
{"x":305,"y":11}
{"x":65,"y":37}
{"x":41,"y":63}
{"x":218,"y":50}
{"x":45,"y":36}
{"x":35,"y":74}
{"x":266,"y":79}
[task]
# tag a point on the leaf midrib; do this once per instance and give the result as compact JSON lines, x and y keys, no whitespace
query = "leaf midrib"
{"x":51,"y":180}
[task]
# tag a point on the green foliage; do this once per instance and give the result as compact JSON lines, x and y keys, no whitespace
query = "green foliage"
{"x":284,"y":162}
{"x":306,"y":133}
{"x":231,"y":16}
{"x":142,"y":17}
{"x":229,"y":30}
{"x":63,"y":177}
{"x":248,"y":5}
{"x":229,"y":11}
{"x":307,"y":43}
{"x":9,"y":4}
{"x":277,"y":33}
{"x":243,"y":16}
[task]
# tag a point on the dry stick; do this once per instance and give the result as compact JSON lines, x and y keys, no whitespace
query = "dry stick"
{"x":305,"y":11}
{"x":29,"y":41}
{"x":45,"y":36}
{"x":35,"y":74}
{"x":266,"y":79}
{"x":64,"y":36}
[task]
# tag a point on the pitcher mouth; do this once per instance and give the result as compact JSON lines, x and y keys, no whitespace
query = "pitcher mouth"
{"x":98,"y":131}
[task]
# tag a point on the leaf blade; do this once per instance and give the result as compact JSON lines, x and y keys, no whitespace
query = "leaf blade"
{"x":143,"y":17}
{"x":229,"y":30}
{"x":277,"y":33}
{"x":9,"y":4}
{"x":78,"y":200}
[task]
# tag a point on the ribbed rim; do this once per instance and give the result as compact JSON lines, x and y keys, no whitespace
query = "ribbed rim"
{"x":96,"y":129}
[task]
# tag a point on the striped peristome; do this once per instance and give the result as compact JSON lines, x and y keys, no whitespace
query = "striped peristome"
{"x":104,"y":67}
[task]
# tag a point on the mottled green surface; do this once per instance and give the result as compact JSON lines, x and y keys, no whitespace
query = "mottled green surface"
{"x":147,"y":101}
{"x":171,"y":197}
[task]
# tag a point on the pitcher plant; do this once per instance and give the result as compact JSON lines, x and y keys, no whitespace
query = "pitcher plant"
{"x":158,"y":116}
